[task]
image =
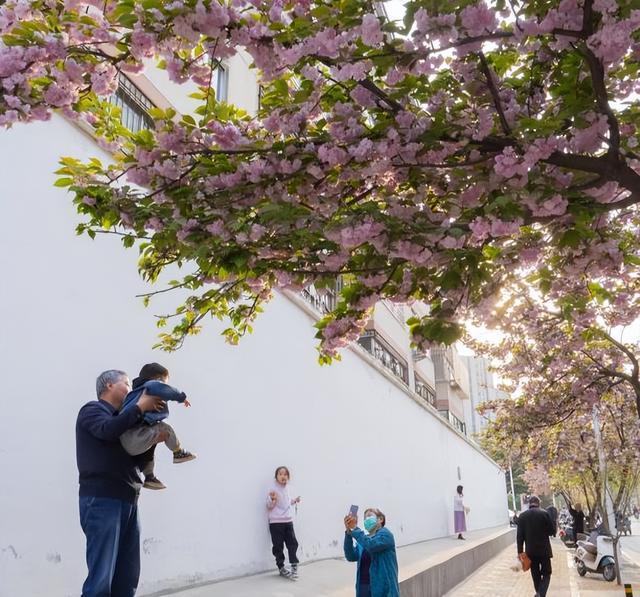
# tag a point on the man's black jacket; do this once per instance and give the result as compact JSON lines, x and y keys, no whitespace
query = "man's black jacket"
{"x":578,"y":520}
{"x":106,"y":470}
{"x":534,"y":528}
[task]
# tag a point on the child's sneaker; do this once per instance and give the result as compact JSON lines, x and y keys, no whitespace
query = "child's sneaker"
{"x":181,"y":455}
{"x":294,"y":572}
{"x":152,"y":482}
{"x":284,"y":572}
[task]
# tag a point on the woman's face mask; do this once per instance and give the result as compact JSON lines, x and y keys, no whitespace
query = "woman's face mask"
{"x":370,"y":522}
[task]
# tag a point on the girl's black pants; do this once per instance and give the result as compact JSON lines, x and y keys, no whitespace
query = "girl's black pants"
{"x":282,"y":534}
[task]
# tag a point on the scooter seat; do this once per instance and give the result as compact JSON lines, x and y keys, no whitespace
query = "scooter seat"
{"x":588,"y":547}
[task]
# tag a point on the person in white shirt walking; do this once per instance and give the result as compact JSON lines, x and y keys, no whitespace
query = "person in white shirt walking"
{"x":279,"y":505}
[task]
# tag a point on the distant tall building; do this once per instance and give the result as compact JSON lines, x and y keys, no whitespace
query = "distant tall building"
{"x":482,"y":387}
{"x":452,"y":386}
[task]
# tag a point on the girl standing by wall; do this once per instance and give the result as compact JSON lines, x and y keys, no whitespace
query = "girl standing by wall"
{"x":281,"y":523}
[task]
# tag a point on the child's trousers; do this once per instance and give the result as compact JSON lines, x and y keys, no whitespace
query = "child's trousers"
{"x":140,"y":438}
{"x":282,"y":534}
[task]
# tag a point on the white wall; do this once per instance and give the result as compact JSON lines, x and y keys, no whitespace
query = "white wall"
{"x":348,"y":434}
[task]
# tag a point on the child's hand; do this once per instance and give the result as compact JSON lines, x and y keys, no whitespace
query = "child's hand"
{"x":187,"y":403}
{"x":273,"y":496}
{"x":297,"y":500}
{"x":150,"y":403}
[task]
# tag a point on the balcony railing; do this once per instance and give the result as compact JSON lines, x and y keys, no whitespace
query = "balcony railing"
{"x":324,"y":301}
{"x":425,"y":391}
{"x":455,"y":422}
{"x":373,"y":343}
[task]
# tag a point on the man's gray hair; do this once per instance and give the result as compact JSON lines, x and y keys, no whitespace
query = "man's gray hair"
{"x":107,"y":377}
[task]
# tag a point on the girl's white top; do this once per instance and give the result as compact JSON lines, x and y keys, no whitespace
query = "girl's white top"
{"x":458,"y":504}
{"x":280,"y":510}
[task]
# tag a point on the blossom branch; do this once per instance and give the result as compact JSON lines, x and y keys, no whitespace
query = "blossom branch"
{"x":488,"y":75}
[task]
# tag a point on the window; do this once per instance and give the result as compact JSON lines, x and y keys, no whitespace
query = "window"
{"x":221,"y":83}
{"x":424,"y":390}
{"x":134,"y":105}
{"x":373,"y":343}
{"x":397,"y":310}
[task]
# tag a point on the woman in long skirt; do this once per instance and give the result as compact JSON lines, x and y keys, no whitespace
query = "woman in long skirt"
{"x":459,"y":513}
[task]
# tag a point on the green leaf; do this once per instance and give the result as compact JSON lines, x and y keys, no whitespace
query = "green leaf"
{"x":570,"y":238}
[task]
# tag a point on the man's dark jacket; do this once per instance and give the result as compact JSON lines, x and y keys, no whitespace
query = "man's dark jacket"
{"x":578,"y":520}
{"x":106,"y":470}
{"x":534,"y":528}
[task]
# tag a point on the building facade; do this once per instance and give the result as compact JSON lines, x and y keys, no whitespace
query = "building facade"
{"x":482,"y":388}
{"x":452,"y":386}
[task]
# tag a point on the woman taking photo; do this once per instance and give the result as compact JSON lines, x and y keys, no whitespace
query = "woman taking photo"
{"x":375,"y":552}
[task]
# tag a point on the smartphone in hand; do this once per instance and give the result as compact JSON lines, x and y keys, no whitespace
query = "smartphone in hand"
{"x":353,"y":511}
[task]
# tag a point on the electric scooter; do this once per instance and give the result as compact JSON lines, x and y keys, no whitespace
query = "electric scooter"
{"x":596,"y":558}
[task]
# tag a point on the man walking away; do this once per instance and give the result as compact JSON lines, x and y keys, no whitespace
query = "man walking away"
{"x":534,"y":528}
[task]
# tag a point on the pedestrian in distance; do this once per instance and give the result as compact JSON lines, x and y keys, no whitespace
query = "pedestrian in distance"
{"x":534,"y":529}
{"x":379,"y":543}
{"x":109,"y":487}
{"x":578,"y":519}
{"x":142,"y":439}
{"x":279,"y":505}
{"x":460,"y":512}
{"x":553,"y":513}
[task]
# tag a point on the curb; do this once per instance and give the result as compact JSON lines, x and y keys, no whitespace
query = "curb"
{"x":444,"y":576}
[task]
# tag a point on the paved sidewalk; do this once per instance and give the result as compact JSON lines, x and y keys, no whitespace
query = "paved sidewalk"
{"x":336,"y":577}
{"x":497,"y":579}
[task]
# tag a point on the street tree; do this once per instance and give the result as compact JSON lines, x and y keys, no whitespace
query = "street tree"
{"x":559,"y":451}
{"x":434,"y":159}
{"x":565,"y":346}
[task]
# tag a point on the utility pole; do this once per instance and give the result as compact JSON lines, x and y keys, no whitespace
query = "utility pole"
{"x":513,"y":489}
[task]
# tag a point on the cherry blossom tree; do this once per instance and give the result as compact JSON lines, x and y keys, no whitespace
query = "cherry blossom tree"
{"x":561,"y":359}
{"x":559,"y":451}
{"x":566,"y":346}
{"x":437,"y":159}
